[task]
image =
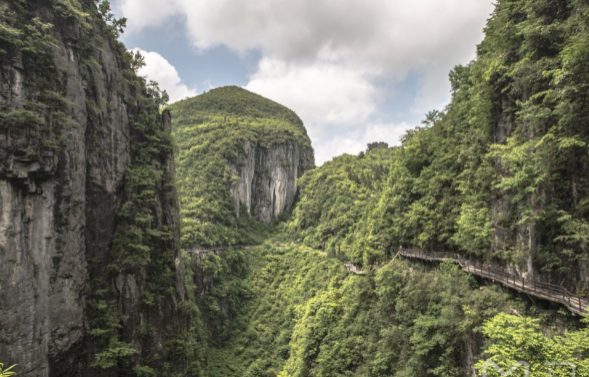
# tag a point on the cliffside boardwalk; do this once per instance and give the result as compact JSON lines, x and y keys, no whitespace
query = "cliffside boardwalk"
{"x":532,"y":287}
{"x":354,"y":269}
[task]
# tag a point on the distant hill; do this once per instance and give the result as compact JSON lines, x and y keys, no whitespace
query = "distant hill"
{"x":239,"y":157}
{"x":236,"y":101}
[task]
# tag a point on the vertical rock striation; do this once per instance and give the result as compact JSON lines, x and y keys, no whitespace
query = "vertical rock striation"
{"x":267,"y":179}
{"x":70,"y":111}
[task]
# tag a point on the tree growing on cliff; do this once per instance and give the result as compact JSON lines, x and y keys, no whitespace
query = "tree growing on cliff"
{"x":6,"y":372}
{"x":116,"y":25}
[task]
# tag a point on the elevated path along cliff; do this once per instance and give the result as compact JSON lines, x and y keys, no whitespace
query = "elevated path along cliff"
{"x":550,"y":292}
{"x":545,"y":291}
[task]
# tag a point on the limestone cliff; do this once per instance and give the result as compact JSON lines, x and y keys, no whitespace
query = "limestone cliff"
{"x":266,"y":184}
{"x":74,"y":123}
{"x":239,"y":158}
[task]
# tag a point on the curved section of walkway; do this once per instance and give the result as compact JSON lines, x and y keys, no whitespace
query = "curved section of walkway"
{"x":535,"y":288}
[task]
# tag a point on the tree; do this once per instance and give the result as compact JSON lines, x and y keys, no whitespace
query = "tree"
{"x":377,"y":144}
{"x":116,"y":25}
{"x":254,"y":370}
{"x":432,"y":117}
{"x":6,"y":372}
{"x":513,"y":339}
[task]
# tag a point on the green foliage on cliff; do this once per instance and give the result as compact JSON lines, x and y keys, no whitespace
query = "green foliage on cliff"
{"x":6,"y":372}
{"x":337,"y":202}
{"x":42,"y":118}
{"x":513,"y":339}
{"x":236,"y":102}
{"x":210,"y":131}
{"x":502,"y":173}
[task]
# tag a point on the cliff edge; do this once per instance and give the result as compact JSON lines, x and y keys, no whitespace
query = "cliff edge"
{"x":89,"y":229}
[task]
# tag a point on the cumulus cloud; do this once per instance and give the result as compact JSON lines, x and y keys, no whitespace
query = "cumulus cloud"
{"x":325,"y":58}
{"x":386,"y":35}
{"x":355,"y":141}
{"x":323,"y":93}
{"x":158,"y":69}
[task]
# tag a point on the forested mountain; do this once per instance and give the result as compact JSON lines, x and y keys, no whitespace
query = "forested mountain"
{"x":239,"y":157}
{"x":288,"y":269}
{"x":498,"y":176}
{"x":288,"y":309}
{"x":501,"y":173}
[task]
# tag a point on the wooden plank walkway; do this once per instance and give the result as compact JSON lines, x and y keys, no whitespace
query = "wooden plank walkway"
{"x":532,"y":287}
{"x":354,"y":269}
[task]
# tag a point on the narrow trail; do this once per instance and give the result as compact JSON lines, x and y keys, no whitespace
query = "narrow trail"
{"x":202,"y":251}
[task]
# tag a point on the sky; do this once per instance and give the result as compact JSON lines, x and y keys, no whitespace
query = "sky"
{"x":354,"y":71}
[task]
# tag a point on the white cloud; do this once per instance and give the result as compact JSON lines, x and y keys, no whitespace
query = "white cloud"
{"x":158,"y":69}
{"x":325,"y":58}
{"x":323,"y":94}
{"x":331,"y":99}
{"x":387,"y":35}
{"x":355,"y":141}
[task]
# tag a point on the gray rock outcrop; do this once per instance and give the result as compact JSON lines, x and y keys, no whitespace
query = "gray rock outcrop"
{"x":267,"y":178}
{"x":59,"y":205}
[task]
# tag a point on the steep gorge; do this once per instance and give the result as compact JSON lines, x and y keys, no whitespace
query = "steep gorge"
{"x":91,"y":278}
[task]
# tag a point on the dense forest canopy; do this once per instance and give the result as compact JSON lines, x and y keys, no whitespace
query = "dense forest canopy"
{"x":499,"y":175}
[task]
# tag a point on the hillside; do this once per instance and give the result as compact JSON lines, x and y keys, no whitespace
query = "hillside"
{"x":239,"y":157}
{"x":498,"y":176}
{"x":111,"y":205}
{"x":286,"y":309}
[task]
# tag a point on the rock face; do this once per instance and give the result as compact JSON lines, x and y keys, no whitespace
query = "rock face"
{"x":239,"y":156}
{"x":65,"y":149}
{"x":267,"y":179}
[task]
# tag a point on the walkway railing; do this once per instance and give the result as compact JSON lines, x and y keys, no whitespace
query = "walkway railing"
{"x":532,"y":287}
{"x":198,"y":251}
{"x":354,"y":269}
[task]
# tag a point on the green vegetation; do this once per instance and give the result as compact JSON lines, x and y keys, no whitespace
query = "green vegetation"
{"x":513,"y":338}
{"x":43,"y":119}
{"x":337,"y":202}
{"x":296,"y":311}
{"x":285,"y":309}
{"x":210,"y":131}
{"x":143,"y":244}
{"x":501,"y":172}
{"x":499,"y":175}
{"x":6,"y":372}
